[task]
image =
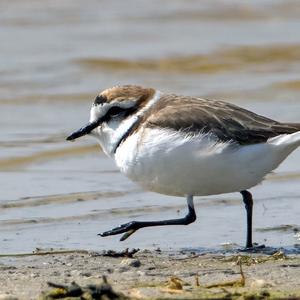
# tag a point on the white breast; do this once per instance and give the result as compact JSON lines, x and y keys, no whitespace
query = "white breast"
{"x":175,"y":163}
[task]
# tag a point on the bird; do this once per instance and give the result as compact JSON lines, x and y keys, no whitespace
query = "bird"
{"x":186,"y":146}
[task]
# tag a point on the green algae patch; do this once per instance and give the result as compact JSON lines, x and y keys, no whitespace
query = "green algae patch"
{"x":249,"y":260}
{"x":214,"y":293}
{"x":233,"y":283}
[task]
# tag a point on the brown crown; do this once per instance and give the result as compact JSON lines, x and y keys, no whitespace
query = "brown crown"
{"x":125,"y":92}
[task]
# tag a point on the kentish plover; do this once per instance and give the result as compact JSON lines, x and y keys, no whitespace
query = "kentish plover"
{"x":186,"y":146}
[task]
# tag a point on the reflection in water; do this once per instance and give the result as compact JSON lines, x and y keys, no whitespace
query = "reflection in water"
{"x":57,"y":58}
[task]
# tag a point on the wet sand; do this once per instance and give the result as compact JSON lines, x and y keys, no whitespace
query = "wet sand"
{"x":58,"y":56}
{"x":158,"y":274}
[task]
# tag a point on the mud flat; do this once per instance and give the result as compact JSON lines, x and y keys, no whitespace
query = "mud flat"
{"x":153,"y":274}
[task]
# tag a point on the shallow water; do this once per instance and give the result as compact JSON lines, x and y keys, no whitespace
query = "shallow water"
{"x":57,"y":55}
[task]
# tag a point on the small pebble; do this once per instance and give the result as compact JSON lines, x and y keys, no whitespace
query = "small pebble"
{"x":131,"y":262}
{"x":86,"y":274}
{"x":141,"y":273}
{"x":55,"y":273}
{"x":260,"y":283}
{"x":74,"y":272}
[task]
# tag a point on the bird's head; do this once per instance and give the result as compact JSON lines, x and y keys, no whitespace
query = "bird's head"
{"x":114,"y":106}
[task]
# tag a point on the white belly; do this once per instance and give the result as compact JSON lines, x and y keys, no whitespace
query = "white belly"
{"x":172,"y":163}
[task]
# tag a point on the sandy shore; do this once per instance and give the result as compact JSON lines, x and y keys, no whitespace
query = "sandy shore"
{"x":156,"y":274}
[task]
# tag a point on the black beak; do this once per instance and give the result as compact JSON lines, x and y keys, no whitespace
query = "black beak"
{"x":83,"y":130}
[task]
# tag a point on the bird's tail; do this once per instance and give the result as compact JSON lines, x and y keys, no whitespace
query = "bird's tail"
{"x":287,"y":140}
{"x":294,"y":125}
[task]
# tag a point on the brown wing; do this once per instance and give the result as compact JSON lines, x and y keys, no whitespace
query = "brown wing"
{"x":226,"y":121}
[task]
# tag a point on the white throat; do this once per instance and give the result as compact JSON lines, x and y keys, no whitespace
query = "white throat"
{"x":109,"y":135}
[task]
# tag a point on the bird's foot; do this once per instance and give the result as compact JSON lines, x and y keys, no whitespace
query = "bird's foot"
{"x":255,"y":248}
{"x":128,"y":229}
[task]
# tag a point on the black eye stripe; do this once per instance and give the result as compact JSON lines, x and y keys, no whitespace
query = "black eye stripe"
{"x":115,"y":110}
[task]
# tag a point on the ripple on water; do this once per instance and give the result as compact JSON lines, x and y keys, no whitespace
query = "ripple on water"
{"x":226,"y":59}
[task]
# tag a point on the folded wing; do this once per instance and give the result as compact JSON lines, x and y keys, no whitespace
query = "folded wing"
{"x":226,"y":121}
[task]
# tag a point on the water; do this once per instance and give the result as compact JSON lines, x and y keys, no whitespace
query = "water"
{"x":57,"y":55}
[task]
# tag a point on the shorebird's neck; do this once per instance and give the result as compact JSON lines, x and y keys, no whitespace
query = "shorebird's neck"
{"x":112,"y":134}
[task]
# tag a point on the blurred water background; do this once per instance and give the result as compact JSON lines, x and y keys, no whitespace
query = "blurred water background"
{"x":55,"y":56}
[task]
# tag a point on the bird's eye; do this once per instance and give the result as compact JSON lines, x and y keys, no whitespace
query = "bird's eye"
{"x":115,"y":111}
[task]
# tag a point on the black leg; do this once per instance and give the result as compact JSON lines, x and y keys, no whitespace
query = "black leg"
{"x":247,"y":198}
{"x":129,"y":228}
